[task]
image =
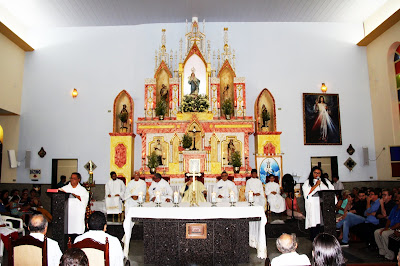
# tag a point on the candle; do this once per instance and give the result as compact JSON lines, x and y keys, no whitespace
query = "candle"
{"x":140,"y":197}
{"x":176,"y":197}
{"x":232,"y":196}
{"x":213,"y":197}
{"x":251,"y":196}
{"x":158,"y":197}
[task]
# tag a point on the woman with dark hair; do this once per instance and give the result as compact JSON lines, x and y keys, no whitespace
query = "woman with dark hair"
{"x":327,"y":251}
{"x":315,"y":182}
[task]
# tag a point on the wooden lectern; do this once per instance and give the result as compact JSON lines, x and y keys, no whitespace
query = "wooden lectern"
{"x":59,"y":210}
{"x":328,"y":206}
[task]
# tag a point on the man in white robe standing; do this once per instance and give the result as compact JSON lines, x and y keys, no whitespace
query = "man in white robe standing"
{"x":160,"y":185}
{"x":133,"y":189}
{"x":254,"y":184}
{"x":223,"y":187}
{"x":77,"y":203}
{"x":115,"y":189}
{"x":273,"y":193}
{"x":97,"y":225}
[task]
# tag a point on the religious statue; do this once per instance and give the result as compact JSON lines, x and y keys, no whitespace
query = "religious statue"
{"x":231,"y":150}
{"x":265,"y":116}
{"x":225,"y":92}
{"x":123,"y":116}
{"x":164,"y":93}
{"x":194,"y":84}
{"x":158,"y":150}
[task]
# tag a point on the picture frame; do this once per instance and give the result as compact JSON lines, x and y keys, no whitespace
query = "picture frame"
{"x":321,"y":119}
{"x":269,"y":165}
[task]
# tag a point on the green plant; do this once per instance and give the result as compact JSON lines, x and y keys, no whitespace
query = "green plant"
{"x":195,"y":103}
{"x":123,"y":117}
{"x":186,"y":141}
{"x":236,"y":159}
{"x":161,"y":108}
{"x":152,"y":160}
{"x":227,"y":107}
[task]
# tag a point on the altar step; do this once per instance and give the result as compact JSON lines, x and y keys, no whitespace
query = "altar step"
{"x":281,"y":223}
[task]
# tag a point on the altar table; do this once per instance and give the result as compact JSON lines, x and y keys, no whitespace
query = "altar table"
{"x":205,"y":212}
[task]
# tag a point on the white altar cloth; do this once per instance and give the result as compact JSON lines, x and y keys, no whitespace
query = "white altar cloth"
{"x":204,"y":211}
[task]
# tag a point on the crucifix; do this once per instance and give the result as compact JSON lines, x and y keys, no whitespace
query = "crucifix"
{"x":193,"y":200}
{"x":194,"y":138}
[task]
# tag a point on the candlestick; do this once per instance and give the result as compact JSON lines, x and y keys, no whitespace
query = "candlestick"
{"x":176,"y":198}
{"x":251,"y":198}
{"x":158,"y":197}
{"x":232,"y":198}
{"x":140,"y":199}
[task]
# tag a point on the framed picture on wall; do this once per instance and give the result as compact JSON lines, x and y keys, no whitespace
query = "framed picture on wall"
{"x":269,"y":165}
{"x":321,"y":119}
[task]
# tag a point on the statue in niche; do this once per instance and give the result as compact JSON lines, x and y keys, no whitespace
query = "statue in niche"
{"x":265,"y":116}
{"x":231,"y":150}
{"x":225,"y":92}
{"x":194,"y":83}
{"x":123,"y":117}
{"x":164,"y":93}
{"x":158,"y":150}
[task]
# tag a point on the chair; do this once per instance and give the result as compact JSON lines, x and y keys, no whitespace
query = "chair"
{"x":9,"y":219}
{"x":97,"y":253}
{"x":28,"y":251}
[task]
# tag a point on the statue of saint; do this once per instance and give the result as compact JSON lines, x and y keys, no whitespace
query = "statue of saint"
{"x":231,"y":150}
{"x":158,"y":150}
{"x":123,"y":116}
{"x":194,"y":84}
{"x":164,"y":93}
{"x":265,"y":116}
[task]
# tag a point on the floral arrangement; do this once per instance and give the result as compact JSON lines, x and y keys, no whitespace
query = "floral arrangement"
{"x":195,"y":103}
{"x":187,"y":141}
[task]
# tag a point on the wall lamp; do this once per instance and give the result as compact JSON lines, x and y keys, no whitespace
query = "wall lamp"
{"x":74,"y":93}
{"x":324,"y":88}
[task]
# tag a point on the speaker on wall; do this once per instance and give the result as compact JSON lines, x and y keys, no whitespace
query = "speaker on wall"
{"x":12,"y":159}
{"x":365,"y":156}
{"x":28,"y":159}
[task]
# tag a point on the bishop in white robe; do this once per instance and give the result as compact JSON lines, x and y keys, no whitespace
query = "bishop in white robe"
{"x":76,"y":204}
{"x":160,"y":185}
{"x":223,"y":187}
{"x":115,"y":190}
{"x":186,"y":191}
{"x":133,"y":189}
{"x":273,"y":193}
{"x":254,"y":184}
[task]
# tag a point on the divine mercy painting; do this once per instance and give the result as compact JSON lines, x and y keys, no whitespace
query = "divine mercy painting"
{"x":321,"y":116}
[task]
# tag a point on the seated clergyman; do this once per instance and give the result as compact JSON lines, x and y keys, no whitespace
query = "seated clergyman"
{"x":224,"y":187}
{"x":287,"y":245}
{"x":160,"y":187}
{"x":187,"y":189}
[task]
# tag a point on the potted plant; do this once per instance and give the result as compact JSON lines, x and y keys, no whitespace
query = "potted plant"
{"x":161,"y":109}
{"x":152,"y":162}
{"x":187,"y":141}
{"x":236,"y":161}
{"x":227,"y":108}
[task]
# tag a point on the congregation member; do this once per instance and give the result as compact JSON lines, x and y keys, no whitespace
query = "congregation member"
{"x":223,"y":187}
{"x":115,"y":190}
{"x":187,"y":189}
{"x":341,"y":205}
{"x":254,"y":184}
{"x":382,"y":234}
{"x":38,"y":229}
{"x":97,"y":225}
{"x":132,"y":191}
{"x":292,"y":207}
{"x":74,"y":257}
{"x":327,"y":251}
{"x":350,"y":219}
{"x":311,"y":186}
{"x":287,"y":245}
{"x":274,"y":198}
{"x":387,"y":204}
{"x":160,"y":185}
{"x":77,"y":203}
{"x":63,"y":181}
{"x":337,"y":184}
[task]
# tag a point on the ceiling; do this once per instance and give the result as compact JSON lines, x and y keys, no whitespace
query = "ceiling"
{"x":79,"y":13}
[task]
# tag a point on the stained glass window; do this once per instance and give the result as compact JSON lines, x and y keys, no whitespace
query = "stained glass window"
{"x":397,"y":70}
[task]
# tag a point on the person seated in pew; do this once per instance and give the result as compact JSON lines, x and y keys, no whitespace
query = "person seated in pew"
{"x":274,"y":198}
{"x":327,"y":251}
{"x":254,"y":184}
{"x":75,"y":257}
{"x":132,"y":191}
{"x":38,"y":229}
{"x":187,"y":188}
{"x":97,"y":225}
{"x":295,"y":209}
{"x":223,"y":187}
{"x":287,"y":245}
{"x":162,"y":186}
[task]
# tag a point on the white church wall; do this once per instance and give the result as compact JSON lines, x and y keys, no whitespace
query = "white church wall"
{"x":287,"y":58}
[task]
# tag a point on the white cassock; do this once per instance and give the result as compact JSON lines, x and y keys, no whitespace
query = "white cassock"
{"x":276,"y":202}
{"x":223,"y":188}
{"x":163,"y":187}
{"x":76,"y":208}
{"x":115,"y":251}
{"x":255,"y":185}
{"x":53,"y":249}
{"x":312,"y":205}
{"x":113,"y":203}
{"x":133,"y":189}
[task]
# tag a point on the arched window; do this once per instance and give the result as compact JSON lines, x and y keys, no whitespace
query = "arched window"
{"x":397,"y":71}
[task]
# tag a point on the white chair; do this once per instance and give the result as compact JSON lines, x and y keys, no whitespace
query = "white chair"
{"x":8,"y":220}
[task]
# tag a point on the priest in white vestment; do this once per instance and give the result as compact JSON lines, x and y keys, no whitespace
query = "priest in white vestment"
{"x":97,"y":225}
{"x":77,"y":203}
{"x":186,"y":191}
{"x":223,"y":187}
{"x":254,"y":184}
{"x":273,"y":192}
{"x":115,"y":190}
{"x":160,"y":185}
{"x":132,"y":191}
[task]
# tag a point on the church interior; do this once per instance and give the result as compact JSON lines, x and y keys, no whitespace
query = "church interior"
{"x":183,"y":90}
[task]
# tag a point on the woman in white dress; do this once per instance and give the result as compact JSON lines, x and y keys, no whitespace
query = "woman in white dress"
{"x":315,"y":183}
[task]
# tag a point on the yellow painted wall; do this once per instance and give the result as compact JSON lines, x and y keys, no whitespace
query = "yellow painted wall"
{"x":385,"y":109}
{"x":10,"y":125}
{"x":11,"y":73}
